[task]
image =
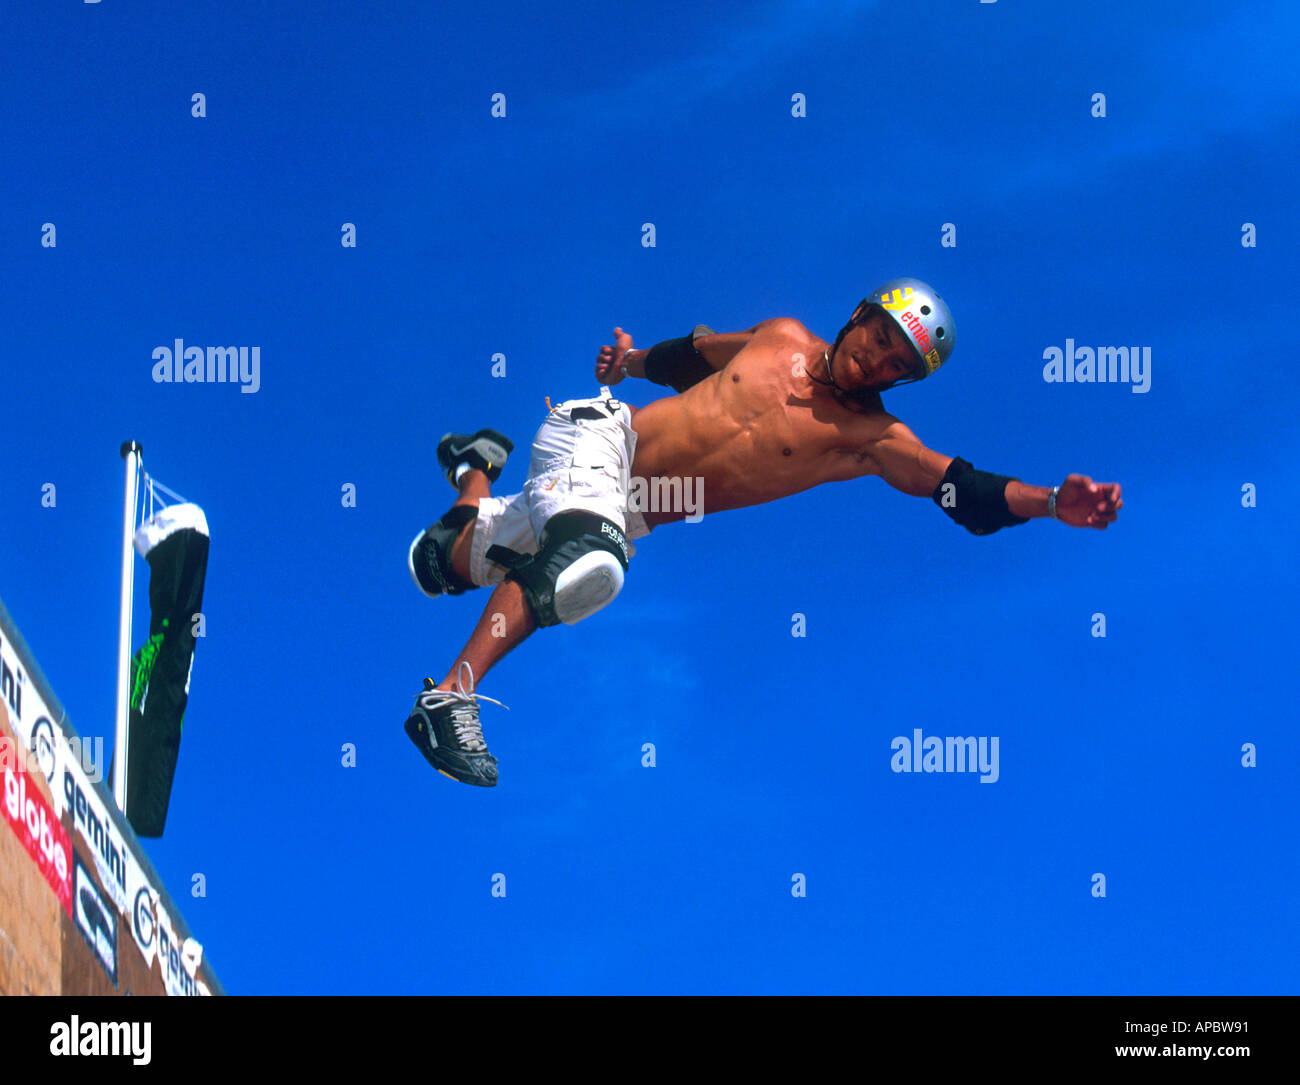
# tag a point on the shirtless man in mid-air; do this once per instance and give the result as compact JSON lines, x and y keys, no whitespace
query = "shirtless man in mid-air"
{"x":758,"y":415}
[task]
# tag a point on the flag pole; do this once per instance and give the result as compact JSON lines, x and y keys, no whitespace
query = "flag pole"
{"x":131,"y":453}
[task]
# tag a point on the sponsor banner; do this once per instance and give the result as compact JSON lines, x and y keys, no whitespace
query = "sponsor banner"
{"x":93,"y":821}
{"x":124,"y":879}
{"x":179,"y":962}
{"x":97,"y":920}
{"x":96,"y":831}
{"x":34,"y":821}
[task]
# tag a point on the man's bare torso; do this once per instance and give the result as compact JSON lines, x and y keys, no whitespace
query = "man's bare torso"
{"x":757,"y":430}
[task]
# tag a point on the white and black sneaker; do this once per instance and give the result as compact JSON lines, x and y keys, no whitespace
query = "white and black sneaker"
{"x":444,"y":726}
{"x":484,"y":451}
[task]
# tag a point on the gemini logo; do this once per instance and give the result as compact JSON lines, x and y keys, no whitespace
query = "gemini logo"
{"x":143,"y":919}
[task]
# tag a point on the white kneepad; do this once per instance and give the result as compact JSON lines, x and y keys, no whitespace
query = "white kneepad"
{"x":588,"y":584}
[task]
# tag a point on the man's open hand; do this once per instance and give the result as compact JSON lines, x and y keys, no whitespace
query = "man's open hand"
{"x":609,"y":362}
{"x":1080,"y":502}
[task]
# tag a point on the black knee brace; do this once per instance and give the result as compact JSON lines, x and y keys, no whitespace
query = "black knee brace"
{"x":567,"y":537}
{"x":432,"y":558}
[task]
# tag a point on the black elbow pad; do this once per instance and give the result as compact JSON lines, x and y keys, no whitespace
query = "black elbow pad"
{"x":676,"y":364}
{"x":975,"y":499}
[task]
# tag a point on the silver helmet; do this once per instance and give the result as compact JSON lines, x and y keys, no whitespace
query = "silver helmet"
{"x":921,"y":315}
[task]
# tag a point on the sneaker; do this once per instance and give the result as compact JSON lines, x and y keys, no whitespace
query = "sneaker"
{"x":485,"y":451}
{"x":444,"y":726}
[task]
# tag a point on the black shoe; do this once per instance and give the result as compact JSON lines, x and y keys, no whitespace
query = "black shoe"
{"x":444,"y":726}
{"x":485,"y":451}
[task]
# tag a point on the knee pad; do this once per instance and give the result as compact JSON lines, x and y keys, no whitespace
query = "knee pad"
{"x":430,"y":556}
{"x":588,"y":584}
{"x":577,"y":569}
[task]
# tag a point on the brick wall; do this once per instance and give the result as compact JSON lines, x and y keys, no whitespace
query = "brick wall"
{"x":31,"y":918}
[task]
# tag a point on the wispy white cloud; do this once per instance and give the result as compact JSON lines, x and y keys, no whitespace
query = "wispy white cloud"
{"x":742,"y":42}
{"x":1188,"y":102}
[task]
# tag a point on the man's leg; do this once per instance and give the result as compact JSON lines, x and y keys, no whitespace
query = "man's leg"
{"x":581,"y":571}
{"x":578,"y":568}
{"x":444,"y":724}
{"x":473,"y":486}
{"x":506,"y":620}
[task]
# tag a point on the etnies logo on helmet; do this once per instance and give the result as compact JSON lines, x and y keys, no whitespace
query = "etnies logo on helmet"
{"x":913,"y":323}
{"x":897,"y":299}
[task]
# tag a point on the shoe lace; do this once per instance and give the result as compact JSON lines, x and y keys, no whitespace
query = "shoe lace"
{"x":464,"y":714}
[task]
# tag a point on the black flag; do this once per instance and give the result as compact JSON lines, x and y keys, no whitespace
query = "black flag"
{"x":175,"y":544}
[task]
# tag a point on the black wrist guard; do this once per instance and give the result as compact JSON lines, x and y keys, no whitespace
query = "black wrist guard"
{"x":975,"y":499}
{"x":676,"y":363}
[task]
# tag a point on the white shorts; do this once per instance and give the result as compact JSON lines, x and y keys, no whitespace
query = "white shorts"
{"x":577,"y":463}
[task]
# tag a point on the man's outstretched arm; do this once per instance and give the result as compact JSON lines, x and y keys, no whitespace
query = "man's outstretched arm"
{"x":680,"y":363}
{"x":982,"y":502}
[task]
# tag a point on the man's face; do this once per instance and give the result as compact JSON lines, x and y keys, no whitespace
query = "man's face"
{"x":874,"y":355}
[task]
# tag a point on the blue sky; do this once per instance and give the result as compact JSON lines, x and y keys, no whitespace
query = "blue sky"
{"x":522,"y":236}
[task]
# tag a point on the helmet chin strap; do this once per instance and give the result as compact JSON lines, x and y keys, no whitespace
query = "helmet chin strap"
{"x":828,"y":356}
{"x":826,"y":360}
